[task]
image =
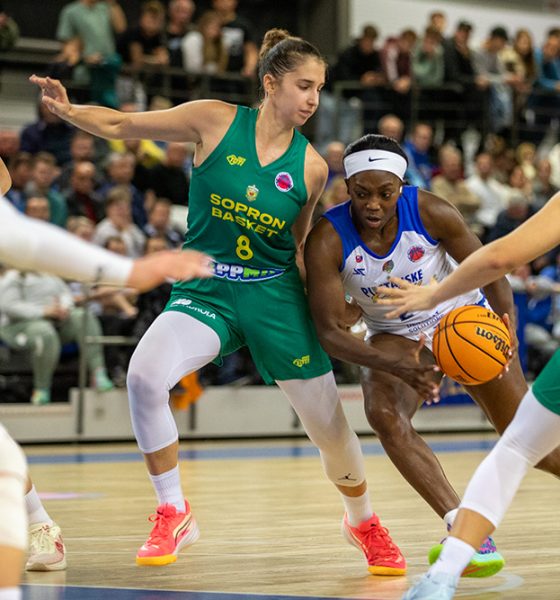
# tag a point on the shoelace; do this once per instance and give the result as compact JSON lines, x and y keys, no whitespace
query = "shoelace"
{"x":161,"y":526}
{"x":379,"y":538}
{"x":488,"y":546}
{"x":41,"y":538}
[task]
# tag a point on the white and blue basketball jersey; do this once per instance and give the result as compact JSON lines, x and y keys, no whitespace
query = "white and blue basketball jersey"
{"x":413,"y":256}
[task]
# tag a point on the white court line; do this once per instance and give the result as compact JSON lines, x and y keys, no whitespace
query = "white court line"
{"x":512,"y":581}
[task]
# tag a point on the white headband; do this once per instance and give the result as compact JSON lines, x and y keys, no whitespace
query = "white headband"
{"x":375,"y":160}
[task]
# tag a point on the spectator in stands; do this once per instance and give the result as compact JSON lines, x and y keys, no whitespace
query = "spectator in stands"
{"x":144,"y":44}
{"x":427,"y":60}
{"x":82,"y":147}
{"x":179,"y":22}
{"x":169,"y":179}
{"x":451,"y":185}
{"x":459,"y":72}
{"x":81,"y":198}
{"x":48,"y":133}
{"x":37,"y":207}
{"x":516,"y":212}
{"x":438,"y":21}
{"x":87,"y":29}
{"x":396,"y":58}
{"x":39,"y":316}
{"x":417,"y":147}
{"x":82,"y":227}
{"x":120,"y":172}
{"x":493,"y":74}
{"x":238,"y":39}
{"x":519,"y":184}
{"x":159,"y":224}
{"x":119,"y":223}
{"x":204,"y":50}
{"x":19,"y":167}
{"x":336,"y":193}
{"x":333,"y":156}
{"x":526,"y":157}
{"x":43,"y":174}
{"x":545,"y":98}
{"x":543,"y":187}
{"x":9,"y":144}
{"x":391,"y":126}
{"x":9,"y":31}
{"x":519,"y":58}
{"x":493,"y":195}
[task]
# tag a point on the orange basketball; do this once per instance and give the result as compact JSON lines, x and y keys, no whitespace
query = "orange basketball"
{"x":471,"y":345}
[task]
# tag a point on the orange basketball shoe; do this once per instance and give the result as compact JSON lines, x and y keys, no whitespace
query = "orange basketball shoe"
{"x":382,"y":554}
{"x":172,"y":530}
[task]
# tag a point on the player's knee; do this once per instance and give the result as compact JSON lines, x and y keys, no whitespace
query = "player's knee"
{"x":389,"y":424}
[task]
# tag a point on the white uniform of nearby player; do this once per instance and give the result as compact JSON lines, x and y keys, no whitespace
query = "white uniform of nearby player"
{"x":414,"y":256}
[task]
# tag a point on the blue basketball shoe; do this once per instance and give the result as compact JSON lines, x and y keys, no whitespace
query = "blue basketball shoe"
{"x":486,"y":562}
{"x":441,"y":586}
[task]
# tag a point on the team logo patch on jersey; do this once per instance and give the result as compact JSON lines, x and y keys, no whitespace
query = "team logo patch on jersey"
{"x":234,"y":160}
{"x":388,"y":266}
{"x":251,"y":193}
{"x":415,"y":253}
{"x":359,"y":258}
{"x":284,"y":182}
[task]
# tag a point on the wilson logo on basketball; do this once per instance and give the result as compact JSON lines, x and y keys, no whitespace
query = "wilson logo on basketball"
{"x":416,"y":253}
{"x":499,"y":343}
{"x":284,"y":182}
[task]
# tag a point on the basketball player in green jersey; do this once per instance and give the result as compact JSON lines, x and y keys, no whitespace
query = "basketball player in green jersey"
{"x":534,"y":431}
{"x":254,"y":186}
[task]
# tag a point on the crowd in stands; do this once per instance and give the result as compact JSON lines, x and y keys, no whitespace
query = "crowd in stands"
{"x":454,"y":108}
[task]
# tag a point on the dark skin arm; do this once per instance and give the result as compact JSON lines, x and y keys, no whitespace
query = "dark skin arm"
{"x":444,"y":223}
{"x":323,"y":255}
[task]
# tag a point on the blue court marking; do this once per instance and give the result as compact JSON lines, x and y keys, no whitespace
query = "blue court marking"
{"x":36,"y":592}
{"x":253,"y":452}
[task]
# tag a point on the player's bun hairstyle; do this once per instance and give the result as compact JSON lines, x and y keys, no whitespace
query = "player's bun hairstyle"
{"x":281,"y":53}
{"x":373,"y":141}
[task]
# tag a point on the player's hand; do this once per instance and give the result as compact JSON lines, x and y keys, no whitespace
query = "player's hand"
{"x":54,"y":95}
{"x":177,"y":265}
{"x":513,"y":345}
{"x":407,"y":297}
{"x":419,"y":376}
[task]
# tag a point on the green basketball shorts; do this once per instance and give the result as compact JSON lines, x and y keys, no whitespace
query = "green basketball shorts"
{"x":270,"y":317}
{"x":547,"y":385}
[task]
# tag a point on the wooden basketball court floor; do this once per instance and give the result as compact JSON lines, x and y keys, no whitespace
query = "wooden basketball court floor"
{"x":270,"y":524}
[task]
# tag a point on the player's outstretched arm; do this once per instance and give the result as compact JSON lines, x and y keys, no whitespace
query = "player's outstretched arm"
{"x":535,"y":237}
{"x":31,"y":244}
{"x":5,"y":178}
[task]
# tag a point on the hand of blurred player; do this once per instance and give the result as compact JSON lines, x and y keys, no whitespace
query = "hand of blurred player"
{"x":513,"y":343}
{"x":406,"y":297}
{"x":419,"y":376}
{"x":54,"y":95}
{"x":177,"y":265}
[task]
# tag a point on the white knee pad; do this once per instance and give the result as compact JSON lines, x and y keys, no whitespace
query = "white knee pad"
{"x":13,"y":475}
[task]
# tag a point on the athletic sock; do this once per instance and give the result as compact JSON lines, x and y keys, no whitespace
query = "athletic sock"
{"x":168,"y":488}
{"x":36,"y":512}
{"x":358,"y":508}
{"x":454,"y":557}
{"x":449,"y":518}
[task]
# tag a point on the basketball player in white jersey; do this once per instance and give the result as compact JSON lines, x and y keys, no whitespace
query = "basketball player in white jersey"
{"x":29,"y":244}
{"x":390,"y":229}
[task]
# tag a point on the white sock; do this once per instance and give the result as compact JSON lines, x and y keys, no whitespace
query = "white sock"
{"x":358,"y":508}
{"x":13,"y":593}
{"x":168,"y":488}
{"x":36,"y":512}
{"x":449,"y":518}
{"x":454,"y":557}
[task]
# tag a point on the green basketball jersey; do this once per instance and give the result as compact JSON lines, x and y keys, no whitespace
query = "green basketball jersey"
{"x":241,"y":213}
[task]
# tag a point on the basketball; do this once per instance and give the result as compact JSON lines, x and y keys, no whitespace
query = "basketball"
{"x":471,"y":345}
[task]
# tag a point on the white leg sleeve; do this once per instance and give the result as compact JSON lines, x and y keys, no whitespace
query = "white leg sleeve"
{"x":174,"y":345}
{"x":533,"y":433}
{"x":13,"y":475}
{"x":318,"y":407}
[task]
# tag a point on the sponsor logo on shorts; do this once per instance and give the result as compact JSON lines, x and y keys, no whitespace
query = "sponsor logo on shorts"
{"x":187,"y":303}
{"x":284,"y":182}
{"x":304,"y":360}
